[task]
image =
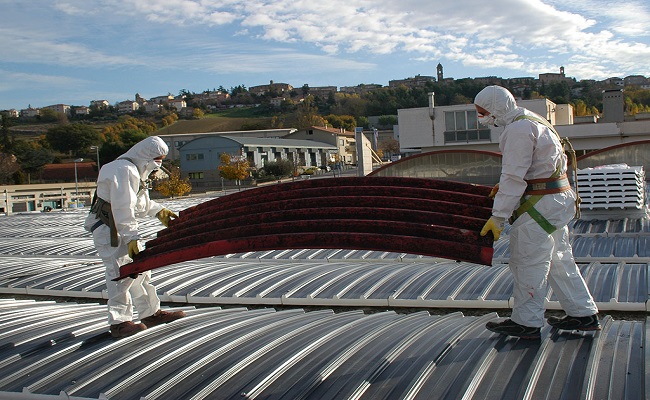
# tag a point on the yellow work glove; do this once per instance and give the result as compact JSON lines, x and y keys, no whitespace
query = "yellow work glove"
{"x":494,"y":225}
{"x":494,"y":191}
{"x":133,"y":248}
{"x":165,"y":216}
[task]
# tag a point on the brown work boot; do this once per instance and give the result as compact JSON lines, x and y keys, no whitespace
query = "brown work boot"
{"x":125,"y":329}
{"x":162,"y":317}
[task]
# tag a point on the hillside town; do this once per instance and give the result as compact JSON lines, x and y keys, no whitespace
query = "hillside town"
{"x":186,"y":103}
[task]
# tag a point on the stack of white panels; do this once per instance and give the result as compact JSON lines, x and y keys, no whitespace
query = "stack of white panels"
{"x":612,"y":187}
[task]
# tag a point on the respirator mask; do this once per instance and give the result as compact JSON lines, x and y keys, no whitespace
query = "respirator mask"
{"x":487,"y":120}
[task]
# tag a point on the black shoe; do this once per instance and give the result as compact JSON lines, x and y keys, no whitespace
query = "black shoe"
{"x":589,"y":323}
{"x":509,"y":327}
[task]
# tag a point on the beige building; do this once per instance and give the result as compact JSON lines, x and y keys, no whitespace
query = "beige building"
{"x":278,"y":88}
{"x":59,"y":108}
{"x":343,"y":140}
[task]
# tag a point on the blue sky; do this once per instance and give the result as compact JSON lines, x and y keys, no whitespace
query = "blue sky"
{"x":74,"y":51}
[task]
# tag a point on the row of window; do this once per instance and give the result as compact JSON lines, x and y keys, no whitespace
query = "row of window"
{"x":463,"y":126}
{"x":194,"y":157}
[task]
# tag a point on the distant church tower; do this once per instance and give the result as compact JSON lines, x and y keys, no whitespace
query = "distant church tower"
{"x":439,"y":69}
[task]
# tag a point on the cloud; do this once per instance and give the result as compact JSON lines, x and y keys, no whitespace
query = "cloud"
{"x":10,"y":80}
{"x":598,"y":36}
{"x":33,"y":46}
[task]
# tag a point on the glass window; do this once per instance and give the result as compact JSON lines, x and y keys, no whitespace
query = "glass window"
{"x":462,"y":126}
{"x":450,"y":122}
{"x":450,"y":137}
{"x":472,"y":120}
{"x":461,"y":123}
{"x":193,"y":157}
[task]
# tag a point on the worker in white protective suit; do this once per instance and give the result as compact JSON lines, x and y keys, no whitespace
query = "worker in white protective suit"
{"x":535,"y":195}
{"x":122,"y":196}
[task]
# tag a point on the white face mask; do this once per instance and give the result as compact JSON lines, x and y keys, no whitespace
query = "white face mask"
{"x":487,"y":120}
{"x":149,"y":167}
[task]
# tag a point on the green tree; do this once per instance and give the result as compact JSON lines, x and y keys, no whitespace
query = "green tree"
{"x":48,"y":115}
{"x":388,"y":120}
{"x":32,"y":157}
{"x":74,"y":138}
{"x":5,"y":138}
{"x":363,"y":121}
{"x":558,"y":92}
{"x":279,"y":168}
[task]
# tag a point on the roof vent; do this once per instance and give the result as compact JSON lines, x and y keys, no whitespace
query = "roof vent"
{"x":608,"y":189}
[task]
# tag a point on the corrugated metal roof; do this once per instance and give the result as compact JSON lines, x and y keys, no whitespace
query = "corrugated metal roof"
{"x":47,"y":348}
{"x":279,"y":142}
{"x":64,"y":348}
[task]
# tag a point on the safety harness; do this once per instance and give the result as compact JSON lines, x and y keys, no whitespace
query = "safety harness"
{"x":556,"y":183}
{"x":102,"y":209}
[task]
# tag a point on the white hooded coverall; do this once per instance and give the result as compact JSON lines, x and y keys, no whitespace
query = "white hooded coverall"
{"x":119,"y":184}
{"x":530,"y":150}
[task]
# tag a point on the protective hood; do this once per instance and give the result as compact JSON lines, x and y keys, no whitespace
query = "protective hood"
{"x":499,"y":102}
{"x":143,"y":153}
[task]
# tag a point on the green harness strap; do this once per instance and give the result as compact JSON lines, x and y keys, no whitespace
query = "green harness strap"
{"x":528,"y":205}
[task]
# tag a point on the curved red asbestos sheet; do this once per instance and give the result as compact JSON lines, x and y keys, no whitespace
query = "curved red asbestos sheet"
{"x":404,"y":215}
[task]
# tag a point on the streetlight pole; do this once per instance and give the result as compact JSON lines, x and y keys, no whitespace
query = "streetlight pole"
{"x":76,"y":182}
{"x":96,"y":148}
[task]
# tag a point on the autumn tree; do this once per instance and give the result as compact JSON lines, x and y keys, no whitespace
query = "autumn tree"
{"x":120,"y":137}
{"x":234,"y":168}
{"x":347,"y":122}
{"x":198,"y":113}
{"x":174,"y":185}
{"x":169,"y":119}
{"x":390,"y":146}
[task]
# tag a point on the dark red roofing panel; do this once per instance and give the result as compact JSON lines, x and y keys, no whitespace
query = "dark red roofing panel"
{"x":410,"y":215}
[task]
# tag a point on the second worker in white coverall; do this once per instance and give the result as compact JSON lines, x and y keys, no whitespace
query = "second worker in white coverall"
{"x":122,"y":196}
{"x":533,"y":173}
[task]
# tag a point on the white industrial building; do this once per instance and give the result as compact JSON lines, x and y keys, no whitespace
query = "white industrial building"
{"x":434,"y":128}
